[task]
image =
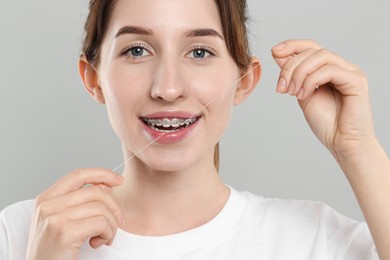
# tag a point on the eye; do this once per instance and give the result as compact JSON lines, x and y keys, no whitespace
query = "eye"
{"x":136,"y":52}
{"x":201,"y":53}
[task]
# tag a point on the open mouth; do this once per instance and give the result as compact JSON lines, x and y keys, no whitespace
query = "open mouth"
{"x":169,"y":125}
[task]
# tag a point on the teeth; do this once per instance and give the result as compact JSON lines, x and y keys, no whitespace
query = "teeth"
{"x":167,"y":123}
{"x":175,"y":123}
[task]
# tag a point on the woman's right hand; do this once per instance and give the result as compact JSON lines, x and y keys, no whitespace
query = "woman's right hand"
{"x":69,"y":213}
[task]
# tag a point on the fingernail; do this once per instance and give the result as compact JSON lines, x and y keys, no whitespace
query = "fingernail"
{"x":281,"y":85}
{"x":279,"y":47}
{"x":300,"y":94}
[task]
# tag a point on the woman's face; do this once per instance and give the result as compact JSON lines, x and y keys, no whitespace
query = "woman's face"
{"x":163,"y":62}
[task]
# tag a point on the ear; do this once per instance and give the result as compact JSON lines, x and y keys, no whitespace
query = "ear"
{"x":90,"y":78}
{"x":248,"y":83}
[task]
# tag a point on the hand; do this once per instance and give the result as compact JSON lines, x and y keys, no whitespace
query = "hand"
{"x":332,"y":93}
{"x":69,"y":213}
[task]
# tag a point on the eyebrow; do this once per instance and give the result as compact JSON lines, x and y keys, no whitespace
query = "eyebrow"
{"x":203,"y":32}
{"x":134,"y":30}
{"x":148,"y":32}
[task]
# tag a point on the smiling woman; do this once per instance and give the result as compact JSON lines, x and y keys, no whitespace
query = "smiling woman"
{"x":169,"y":78}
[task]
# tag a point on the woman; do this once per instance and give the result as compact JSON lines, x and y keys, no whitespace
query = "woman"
{"x":169,"y":73}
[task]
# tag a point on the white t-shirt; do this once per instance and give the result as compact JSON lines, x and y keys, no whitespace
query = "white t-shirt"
{"x":248,"y":227}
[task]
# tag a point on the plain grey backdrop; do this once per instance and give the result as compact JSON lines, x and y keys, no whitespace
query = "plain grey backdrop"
{"x":49,"y":125}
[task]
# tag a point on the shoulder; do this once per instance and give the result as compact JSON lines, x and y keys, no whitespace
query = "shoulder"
{"x":18,"y":213}
{"x":311,"y":223}
{"x":293,"y":210}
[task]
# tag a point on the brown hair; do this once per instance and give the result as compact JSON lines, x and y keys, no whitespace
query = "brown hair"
{"x":233,"y":15}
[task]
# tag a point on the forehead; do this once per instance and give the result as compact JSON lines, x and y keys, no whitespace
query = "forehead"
{"x":166,"y":16}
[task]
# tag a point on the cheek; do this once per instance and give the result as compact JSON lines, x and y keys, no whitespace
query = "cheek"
{"x":215,"y":85}
{"x":122,"y":88}
{"x":216,"y":91}
{"x":124,"y":93}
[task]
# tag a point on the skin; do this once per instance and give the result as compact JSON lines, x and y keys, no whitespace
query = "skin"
{"x":167,"y":188}
{"x":172,"y":188}
{"x":339,"y":113}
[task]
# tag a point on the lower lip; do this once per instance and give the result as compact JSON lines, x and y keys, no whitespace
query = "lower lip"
{"x":169,"y":138}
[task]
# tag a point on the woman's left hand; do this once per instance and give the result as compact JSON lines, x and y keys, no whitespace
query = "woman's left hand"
{"x":332,"y":93}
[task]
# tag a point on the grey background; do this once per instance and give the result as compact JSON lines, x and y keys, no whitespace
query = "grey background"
{"x":49,"y":125}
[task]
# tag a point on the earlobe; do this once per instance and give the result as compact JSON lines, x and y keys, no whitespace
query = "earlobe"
{"x":249,"y":82}
{"x":90,"y":78}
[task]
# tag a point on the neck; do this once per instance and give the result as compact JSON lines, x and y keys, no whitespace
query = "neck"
{"x":159,"y":203}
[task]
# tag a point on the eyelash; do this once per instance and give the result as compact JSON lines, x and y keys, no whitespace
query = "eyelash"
{"x":210,"y":51}
{"x":127,"y":52}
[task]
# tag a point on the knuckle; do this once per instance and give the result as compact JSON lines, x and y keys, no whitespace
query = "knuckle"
{"x":63,"y":231}
{"x":65,"y":236}
{"x":311,"y":50}
{"x":103,"y":221}
{"x":55,"y":224}
{"x":299,"y":71}
{"x":313,"y":43}
{"x":39,"y":199}
{"x":361,"y":79}
{"x":310,"y":40}
{"x":42,"y":210}
{"x":356,"y":68}
{"x":79,"y":173}
{"x":325,"y":52}
{"x":288,"y":69}
{"x":310,"y":80}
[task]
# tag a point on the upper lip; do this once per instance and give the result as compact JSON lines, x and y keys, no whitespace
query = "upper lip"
{"x":171,"y":114}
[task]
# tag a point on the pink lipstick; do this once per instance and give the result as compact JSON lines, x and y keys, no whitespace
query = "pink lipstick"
{"x":170,"y":126}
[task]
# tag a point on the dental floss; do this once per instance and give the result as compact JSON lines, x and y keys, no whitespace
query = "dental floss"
{"x":232,"y":85}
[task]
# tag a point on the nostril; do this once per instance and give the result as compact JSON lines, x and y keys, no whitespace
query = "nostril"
{"x":168,"y":82}
{"x":168,"y":93}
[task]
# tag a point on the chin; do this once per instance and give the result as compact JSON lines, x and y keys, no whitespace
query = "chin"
{"x":167,"y":166}
{"x":170,"y":162}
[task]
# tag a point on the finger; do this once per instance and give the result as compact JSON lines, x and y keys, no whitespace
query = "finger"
{"x":288,"y":68}
{"x":104,"y":187}
{"x":78,"y":179}
{"x":95,"y":209}
{"x":72,"y":234}
{"x":92,"y":209}
{"x":311,"y":63}
{"x":291,"y":47}
{"x":343,"y":80}
{"x":282,"y":61}
{"x":97,"y":242}
{"x":97,"y":226}
{"x":87,"y":211}
{"x":80,"y":198}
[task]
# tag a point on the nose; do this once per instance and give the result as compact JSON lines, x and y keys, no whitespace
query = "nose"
{"x":168,"y":84}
